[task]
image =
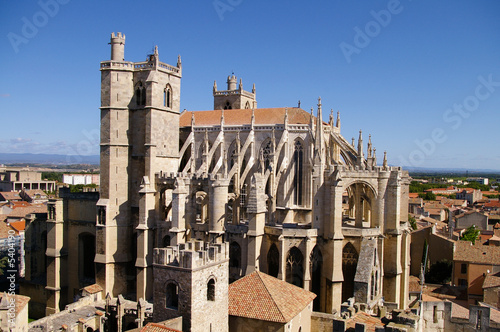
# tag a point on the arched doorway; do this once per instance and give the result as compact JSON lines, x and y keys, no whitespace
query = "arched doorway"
{"x":294,"y":267}
{"x":349,"y":265}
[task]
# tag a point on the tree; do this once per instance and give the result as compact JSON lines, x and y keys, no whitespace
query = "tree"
{"x":439,"y":272}
{"x":413,"y":222}
{"x":471,"y":234}
{"x":428,"y":196}
{"x":3,"y":263}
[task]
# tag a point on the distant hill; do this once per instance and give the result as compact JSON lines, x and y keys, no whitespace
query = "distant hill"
{"x":55,"y":159}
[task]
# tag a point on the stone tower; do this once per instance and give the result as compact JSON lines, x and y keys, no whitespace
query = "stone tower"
{"x":234,"y":97}
{"x":191,"y":280}
{"x":139,"y":115}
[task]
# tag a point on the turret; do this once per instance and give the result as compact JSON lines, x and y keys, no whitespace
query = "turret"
{"x":231,"y":82}
{"x":117,"y":46}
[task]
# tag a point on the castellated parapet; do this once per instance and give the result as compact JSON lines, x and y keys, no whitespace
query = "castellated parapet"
{"x":191,"y":280}
{"x":192,"y":255}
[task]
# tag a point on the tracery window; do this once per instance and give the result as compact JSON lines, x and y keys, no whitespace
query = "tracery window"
{"x":298,"y":183}
{"x":294,"y":267}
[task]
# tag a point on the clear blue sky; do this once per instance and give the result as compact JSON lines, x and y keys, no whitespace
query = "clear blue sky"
{"x":413,"y":74}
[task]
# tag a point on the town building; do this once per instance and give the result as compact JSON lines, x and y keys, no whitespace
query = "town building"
{"x":16,"y":179}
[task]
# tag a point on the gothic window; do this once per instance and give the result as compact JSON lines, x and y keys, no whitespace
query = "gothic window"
{"x":266,"y":153}
{"x":298,"y":185}
{"x":273,"y":261}
{"x":227,"y":106}
{"x":140,"y":95}
{"x":247,"y":105}
{"x":349,"y":265}
{"x":316,"y":265}
{"x":172,"y":296}
{"x":294,"y":267}
{"x":167,"y":96}
{"x":211,"y":290}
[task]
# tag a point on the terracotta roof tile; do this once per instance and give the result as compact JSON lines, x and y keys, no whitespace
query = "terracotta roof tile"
{"x":244,"y":116}
{"x":10,"y":196}
{"x":21,"y":212}
{"x":370,"y":322}
{"x":18,"y":225}
{"x":492,"y":280}
{"x":92,"y":289}
{"x":465,"y":251}
{"x":260,"y":296}
{"x":155,"y":327}
{"x":4,"y":230}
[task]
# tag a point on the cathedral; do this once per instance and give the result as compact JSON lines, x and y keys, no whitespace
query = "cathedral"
{"x":274,"y":190}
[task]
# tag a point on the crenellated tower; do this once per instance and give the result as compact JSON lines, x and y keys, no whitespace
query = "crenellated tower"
{"x":140,"y":104}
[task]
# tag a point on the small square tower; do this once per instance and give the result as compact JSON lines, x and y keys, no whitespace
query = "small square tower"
{"x":192,"y":280}
{"x":234,"y":97}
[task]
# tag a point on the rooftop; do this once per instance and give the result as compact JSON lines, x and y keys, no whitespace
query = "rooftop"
{"x":465,"y":251}
{"x":244,"y":117}
{"x":260,"y":296}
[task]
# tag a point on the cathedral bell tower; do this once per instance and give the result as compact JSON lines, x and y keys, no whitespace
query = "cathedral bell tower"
{"x":234,"y":97}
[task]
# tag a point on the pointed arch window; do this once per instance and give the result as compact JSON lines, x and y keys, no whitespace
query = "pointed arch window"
{"x":294,"y":267}
{"x":167,"y":96}
{"x":140,"y":95}
{"x":273,"y":261}
{"x":298,"y":183}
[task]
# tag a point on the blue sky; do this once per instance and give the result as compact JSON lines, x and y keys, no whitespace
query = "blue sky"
{"x":422,"y":77}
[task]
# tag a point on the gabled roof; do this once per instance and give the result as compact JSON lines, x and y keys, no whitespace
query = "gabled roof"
{"x":492,"y":280}
{"x":10,"y":196}
{"x":18,"y":225}
{"x":260,"y":296}
{"x":244,"y":117}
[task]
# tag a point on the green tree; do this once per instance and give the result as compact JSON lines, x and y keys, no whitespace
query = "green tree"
{"x":3,"y":263}
{"x":428,"y":196}
{"x":439,"y":272}
{"x":471,"y":234}
{"x":413,"y":222}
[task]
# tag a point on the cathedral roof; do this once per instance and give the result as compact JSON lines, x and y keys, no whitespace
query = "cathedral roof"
{"x":244,"y":117}
{"x":260,"y":296}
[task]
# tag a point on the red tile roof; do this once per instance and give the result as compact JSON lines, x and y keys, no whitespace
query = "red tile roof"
{"x":262,"y":297}
{"x":4,"y":230}
{"x":154,"y":327}
{"x":244,"y":116}
{"x":10,"y":196}
{"x":92,"y":289}
{"x":18,"y":225}
{"x":21,"y":212}
{"x":370,"y":322}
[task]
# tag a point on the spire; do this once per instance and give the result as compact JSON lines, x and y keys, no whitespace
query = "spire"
{"x":179,"y":62}
{"x":192,"y":119}
{"x":330,"y":121}
{"x":253,"y":89}
{"x":221,"y":118}
{"x":298,"y":104}
{"x":360,"y":148}
{"x":369,"y":146}
{"x":384,"y":163}
{"x":286,"y":117}
{"x":338,"y":119}
{"x":215,"y":86}
{"x":311,"y":122}
{"x":374,"y":157}
{"x":318,"y":146}
{"x":352,"y":142}
{"x":253,"y":118}
{"x":273,"y":141}
{"x":241,"y":84}
{"x":156,"y":50}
